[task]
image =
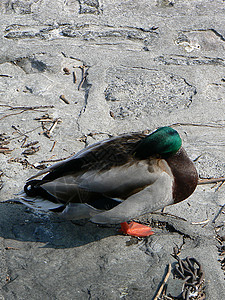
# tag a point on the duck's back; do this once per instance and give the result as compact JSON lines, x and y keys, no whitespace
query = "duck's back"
{"x":100,"y":156}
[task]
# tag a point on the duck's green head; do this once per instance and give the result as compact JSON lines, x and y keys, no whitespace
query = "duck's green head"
{"x":164,"y":142}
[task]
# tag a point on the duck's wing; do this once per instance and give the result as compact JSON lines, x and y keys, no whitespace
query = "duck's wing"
{"x":117,"y":182}
{"x":102,"y":155}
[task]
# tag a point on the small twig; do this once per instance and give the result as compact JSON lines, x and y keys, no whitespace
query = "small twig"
{"x":9,"y":280}
{"x":23,"y":141}
{"x":11,"y":248}
{"x":31,"y":150}
{"x":221,"y":243}
{"x":54,"y":125}
{"x":23,"y":109}
{"x":24,"y":162}
{"x":219,"y":213}
{"x":219,"y":186}
{"x":53,"y":146}
{"x":49,"y":132}
{"x":63,"y":98}
{"x":201,"y":222}
{"x":43,"y":120}
{"x":167,"y":297}
{"x":196,"y":124}
{"x":164,"y":282}
{"x":168,"y":214}
{"x":10,"y":139}
{"x":84,"y":76}
{"x":211,"y":180}
{"x":197,"y":158}
{"x":216,"y":185}
{"x":3,"y":75}
{"x":177,"y":250}
{"x":50,"y":160}
{"x":27,"y":107}
{"x":66,"y":71}
{"x":17,"y":130}
{"x":55,"y":160}
{"x":5,"y":150}
{"x":29,"y":144}
{"x":12,"y":114}
{"x":74,"y":77}
{"x":44,"y":117}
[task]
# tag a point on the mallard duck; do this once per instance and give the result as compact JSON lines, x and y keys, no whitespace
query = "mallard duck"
{"x":116,"y":180}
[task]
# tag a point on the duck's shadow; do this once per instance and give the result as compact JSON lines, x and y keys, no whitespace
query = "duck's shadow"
{"x":20,"y":223}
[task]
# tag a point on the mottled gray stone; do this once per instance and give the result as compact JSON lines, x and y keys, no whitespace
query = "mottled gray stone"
{"x":138,"y":93}
{"x":207,"y":39}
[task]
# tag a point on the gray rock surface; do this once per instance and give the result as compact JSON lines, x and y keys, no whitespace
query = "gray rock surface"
{"x":130,"y":66}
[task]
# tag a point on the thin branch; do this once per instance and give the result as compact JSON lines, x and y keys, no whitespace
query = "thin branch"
{"x":219,"y":213}
{"x":211,"y":180}
{"x":12,"y":114}
{"x":4,"y":75}
{"x":168,"y":214}
{"x":53,"y":146}
{"x":55,"y":160}
{"x":27,"y":107}
{"x":16,"y":137}
{"x":201,"y":125}
{"x":201,"y":222}
{"x":163,"y":283}
{"x":24,"y":108}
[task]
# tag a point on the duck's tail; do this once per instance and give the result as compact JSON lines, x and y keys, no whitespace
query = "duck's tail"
{"x":38,"y":203}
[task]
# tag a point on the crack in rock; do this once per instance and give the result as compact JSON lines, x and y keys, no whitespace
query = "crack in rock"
{"x":84,"y":32}
{"x":189,"y":60}
{"x":85,"y":85}
{"x":218,"y":34}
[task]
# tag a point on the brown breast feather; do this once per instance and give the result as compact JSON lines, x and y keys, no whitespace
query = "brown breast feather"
{"x":185,"y":175}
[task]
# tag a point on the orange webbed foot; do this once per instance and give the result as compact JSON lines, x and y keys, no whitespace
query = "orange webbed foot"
{"x":136,"y":229}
